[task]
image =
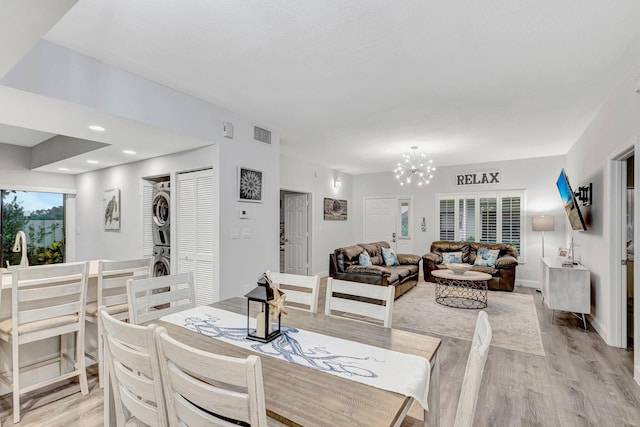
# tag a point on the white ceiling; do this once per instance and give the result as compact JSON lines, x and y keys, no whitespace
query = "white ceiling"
{"x":353,"y":84}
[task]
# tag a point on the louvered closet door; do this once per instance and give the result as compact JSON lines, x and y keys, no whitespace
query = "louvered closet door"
{"x":197,"y":241}
{"x":147,"y":220}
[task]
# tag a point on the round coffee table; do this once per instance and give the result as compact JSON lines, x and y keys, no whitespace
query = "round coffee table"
{"x":468,"y":290}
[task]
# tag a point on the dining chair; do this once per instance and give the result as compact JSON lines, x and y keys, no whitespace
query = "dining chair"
{"x":47,"y":301}
{"x":300,"y":290}
{"x":468,"y":399}
{"x":203,"y":388}
{"x":152,"y":298}
{"x":360,"y":299}
{"x":134,"y":373}
{"x":112,"y":294}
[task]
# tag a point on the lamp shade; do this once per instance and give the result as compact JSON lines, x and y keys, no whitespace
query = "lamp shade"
{"x":543,"y":223}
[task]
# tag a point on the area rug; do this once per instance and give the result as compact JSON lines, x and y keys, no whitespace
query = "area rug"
{"x":513,"y":318}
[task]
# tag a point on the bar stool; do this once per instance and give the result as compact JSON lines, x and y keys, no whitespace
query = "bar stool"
{"x":47,"y":301}
{"x":112,"y":293}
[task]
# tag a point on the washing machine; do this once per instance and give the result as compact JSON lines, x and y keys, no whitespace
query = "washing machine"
{"x":161,"y":205}
{"x":161,"y":261}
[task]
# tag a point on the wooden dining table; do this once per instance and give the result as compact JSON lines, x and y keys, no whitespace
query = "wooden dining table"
{"x":300,"y":396}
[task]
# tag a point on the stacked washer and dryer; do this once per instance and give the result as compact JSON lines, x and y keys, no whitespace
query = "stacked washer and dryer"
{"x":161,"y":204}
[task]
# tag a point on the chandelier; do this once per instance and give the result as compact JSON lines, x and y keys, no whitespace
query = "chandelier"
{"x":414,"y":168}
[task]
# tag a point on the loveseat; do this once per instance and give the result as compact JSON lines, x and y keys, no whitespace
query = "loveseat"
{"x":344,"y":265}
{"x":503,"y":272}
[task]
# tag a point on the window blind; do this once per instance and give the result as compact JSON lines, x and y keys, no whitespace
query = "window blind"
{"x":447,"y":219}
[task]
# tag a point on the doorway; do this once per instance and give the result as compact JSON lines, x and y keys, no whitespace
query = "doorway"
{"x":624,"y":214}
{"x":295,"y":236}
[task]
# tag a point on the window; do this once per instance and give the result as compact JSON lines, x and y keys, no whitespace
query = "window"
{"x":41,"y":217}
{"x":405,"y":227}
{"x":482,"y":217}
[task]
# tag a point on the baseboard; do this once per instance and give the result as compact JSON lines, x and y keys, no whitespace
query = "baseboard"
{"x":637,"y":375}
{"x":600,"y":329}
{"x":529,"y":283}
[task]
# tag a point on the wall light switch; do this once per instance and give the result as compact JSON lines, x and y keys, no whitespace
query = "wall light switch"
{"x":246,"y":233}
{"x":235,"y":233}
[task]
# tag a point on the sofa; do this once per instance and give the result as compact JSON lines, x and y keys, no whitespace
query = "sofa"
{"x":344,"y":265}
{"x":503,"y":273}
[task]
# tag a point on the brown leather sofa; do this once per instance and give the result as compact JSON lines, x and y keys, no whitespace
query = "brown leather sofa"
{"x":343,"y":265}
{"x":503,"y":274}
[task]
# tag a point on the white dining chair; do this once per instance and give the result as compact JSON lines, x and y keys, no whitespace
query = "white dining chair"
{"x":468,"y":399}
{"x":47,"y":301}
{"x":203,"y":388}
{"x":112,"y":294}
{"x":134,"y":373}
{"x":303,"y":291}
{"x":152,"y":298}
{"x":360,"y":299}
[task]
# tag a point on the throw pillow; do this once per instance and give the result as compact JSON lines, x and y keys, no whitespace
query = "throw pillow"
{"x":364,"y":259}
{"x":389,"y":256}
{"x":486,"y":257}
{"x":452,"y":257}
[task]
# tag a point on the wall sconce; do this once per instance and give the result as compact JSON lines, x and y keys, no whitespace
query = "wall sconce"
{"x":337,"y":183}
{"x":423,"y":225}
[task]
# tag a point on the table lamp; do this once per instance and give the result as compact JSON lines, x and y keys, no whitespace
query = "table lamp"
{"x":542,"y":223}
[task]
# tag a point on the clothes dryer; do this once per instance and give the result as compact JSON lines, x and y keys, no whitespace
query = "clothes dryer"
{"x":161,"y":261}
{"x":161,"y":211}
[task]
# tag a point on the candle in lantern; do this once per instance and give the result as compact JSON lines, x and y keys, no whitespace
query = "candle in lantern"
{"x":260,"y":325}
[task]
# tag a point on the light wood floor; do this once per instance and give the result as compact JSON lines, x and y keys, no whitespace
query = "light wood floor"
{"x":580,"y":382}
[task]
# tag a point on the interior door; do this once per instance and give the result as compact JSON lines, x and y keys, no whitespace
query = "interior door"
{"x":196,"y":232}
{"x":296,"y":242}
{"x":381,"y":221}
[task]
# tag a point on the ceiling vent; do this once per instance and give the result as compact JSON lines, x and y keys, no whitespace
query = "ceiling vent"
{"x":262,"y":135}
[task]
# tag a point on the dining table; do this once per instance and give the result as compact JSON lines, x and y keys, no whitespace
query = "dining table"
{"x":297,"y":395}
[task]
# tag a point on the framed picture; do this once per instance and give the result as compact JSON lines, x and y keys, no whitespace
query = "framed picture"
{"x":250,"y":185}
{"x":563,"y":253}
{"x":335,"y":210}
{"x":111,"y":209}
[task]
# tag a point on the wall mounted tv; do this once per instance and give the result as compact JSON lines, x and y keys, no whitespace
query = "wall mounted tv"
{"x":570,"y":203}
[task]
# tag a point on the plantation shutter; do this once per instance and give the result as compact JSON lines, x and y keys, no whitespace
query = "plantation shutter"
{"x":488,"y":220}
{"x":467,"y":219}
{"x":447,"y":219}
{"x":511,"y":221}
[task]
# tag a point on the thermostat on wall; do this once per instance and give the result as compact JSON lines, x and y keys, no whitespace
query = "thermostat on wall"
{"x":243,"y":214}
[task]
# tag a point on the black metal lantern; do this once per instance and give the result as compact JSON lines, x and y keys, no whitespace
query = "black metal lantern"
{"x":258,"y":301}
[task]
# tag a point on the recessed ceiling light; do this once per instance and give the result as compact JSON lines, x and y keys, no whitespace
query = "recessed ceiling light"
{"x":93,"y":162}
{"x":128,"y":152}
{"x":97,"y":128}
{"x":63,"y":169}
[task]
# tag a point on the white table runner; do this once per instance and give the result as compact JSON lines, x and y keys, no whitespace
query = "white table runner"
{"x":402,"y":373}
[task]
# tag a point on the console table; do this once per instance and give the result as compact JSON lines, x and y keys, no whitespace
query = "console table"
{"x":566,"y":288}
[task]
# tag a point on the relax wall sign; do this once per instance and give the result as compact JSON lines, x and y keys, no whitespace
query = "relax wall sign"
{"x":476,"y":178}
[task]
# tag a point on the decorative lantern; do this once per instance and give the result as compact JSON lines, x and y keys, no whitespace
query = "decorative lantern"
{"x":263,"y":299}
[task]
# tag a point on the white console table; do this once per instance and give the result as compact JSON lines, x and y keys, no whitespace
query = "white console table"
{"x":566,"y":288}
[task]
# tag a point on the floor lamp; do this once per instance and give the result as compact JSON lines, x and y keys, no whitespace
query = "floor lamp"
{"x":542,"y":223}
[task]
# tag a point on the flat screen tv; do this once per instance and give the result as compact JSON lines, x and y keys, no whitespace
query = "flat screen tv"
{"x":570,"y":203}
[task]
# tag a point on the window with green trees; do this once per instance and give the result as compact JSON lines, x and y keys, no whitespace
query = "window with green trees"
{"x":41,"y":216}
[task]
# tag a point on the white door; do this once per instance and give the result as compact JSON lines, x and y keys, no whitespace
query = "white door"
{"x":296,"y":242}
{"x":197,"y":239}
{"x":381,"y":221}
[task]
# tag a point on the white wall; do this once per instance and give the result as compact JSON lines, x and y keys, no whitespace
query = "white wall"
{"x":15,"y":173}
{"x":536,"y":176}
{"x":306,"y":177}
{"x":59,"y":73}
{"x":615,"y":126}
